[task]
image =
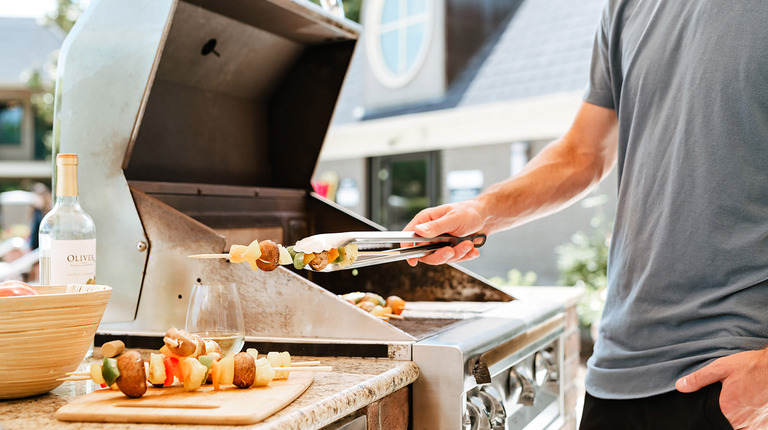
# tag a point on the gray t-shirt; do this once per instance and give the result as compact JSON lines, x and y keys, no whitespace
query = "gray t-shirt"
{"x":689,"y":253}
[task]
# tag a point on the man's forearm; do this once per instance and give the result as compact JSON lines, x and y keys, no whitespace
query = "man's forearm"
{"x":562,"y":173}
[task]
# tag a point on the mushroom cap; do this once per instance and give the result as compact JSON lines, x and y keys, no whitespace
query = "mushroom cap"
{"x":270,"y":256}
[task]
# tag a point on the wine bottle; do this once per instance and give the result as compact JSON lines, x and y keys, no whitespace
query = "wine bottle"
{"x":67,"y":233}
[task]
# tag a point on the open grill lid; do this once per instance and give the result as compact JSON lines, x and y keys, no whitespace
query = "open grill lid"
{"x":243,"y":94}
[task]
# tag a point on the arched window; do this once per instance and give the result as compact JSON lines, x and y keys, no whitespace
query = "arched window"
{"x":398,"y":35}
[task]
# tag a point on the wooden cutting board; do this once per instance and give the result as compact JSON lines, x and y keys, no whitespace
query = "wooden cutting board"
{"x":173,"y":405}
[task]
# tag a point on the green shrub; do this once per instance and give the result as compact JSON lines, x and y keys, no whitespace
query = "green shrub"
{"x":516,"y":278}
{"x":583,"y":262}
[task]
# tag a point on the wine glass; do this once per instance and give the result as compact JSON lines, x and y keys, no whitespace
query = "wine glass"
{"x":214,"y":313}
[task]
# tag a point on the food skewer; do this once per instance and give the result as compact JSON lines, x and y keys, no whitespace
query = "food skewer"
{"x":294,"y":365}
{"x":84,"y":376}
{"x":193,"y":361}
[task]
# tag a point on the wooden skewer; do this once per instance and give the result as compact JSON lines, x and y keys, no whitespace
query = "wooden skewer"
{"x":393,"y":316}
{"x":209,"y":256}
{"x":305,"y":363}
{"x":75,"y":378}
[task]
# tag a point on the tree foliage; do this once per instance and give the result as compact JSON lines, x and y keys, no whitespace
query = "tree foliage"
{"x":583,"y":262}
{"x":351,"y":8}
{"x":66,"y":14}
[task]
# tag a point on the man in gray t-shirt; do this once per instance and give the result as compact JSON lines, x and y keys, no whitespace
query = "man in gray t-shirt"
{"x":678,"y":100}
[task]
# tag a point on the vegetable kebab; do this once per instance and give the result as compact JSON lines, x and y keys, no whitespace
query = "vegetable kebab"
{"x":190,"y":360}
{"x":267,"y":255}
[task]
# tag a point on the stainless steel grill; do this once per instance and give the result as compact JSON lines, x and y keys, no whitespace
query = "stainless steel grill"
{"x":198,"y":124}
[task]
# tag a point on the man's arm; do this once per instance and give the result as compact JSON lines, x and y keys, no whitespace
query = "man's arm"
{"x":559,"y":175}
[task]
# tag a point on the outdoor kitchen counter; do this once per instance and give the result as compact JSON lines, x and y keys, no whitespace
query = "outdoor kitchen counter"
{"x":353,"y":384}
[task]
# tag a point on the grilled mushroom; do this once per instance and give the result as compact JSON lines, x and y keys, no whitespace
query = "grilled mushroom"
{"x":133,"y":378}
{"x":270,"y":256}
{"x":180,"y":342}
{"x":245,"y":370}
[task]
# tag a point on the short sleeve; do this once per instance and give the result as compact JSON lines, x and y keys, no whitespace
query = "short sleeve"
{"x":600,"y":89}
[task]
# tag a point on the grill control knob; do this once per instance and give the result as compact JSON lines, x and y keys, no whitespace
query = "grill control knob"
{"x":475,"y":417}
{"x":545,"y":367}
{"x":497,"y":414}
{"x":521,"y":386}
{"x":515,"y":387}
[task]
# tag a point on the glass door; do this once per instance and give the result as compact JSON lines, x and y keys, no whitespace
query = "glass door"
{"x":401,"y":186}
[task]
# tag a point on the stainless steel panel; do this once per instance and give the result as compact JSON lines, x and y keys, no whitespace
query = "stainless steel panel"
{"x":105,"y":67}
{"x":277,"y":304}
{"x":438,"y":394}
{"x":448,"y":361}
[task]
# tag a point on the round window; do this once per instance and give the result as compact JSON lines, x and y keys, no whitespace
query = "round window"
{"x":398,"y":38}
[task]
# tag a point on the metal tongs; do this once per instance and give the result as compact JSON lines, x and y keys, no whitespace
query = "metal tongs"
{"x":376,"y":247}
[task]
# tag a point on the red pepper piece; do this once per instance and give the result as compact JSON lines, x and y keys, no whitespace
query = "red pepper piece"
{"x":168,"y":372}
{"x":175,"y":368}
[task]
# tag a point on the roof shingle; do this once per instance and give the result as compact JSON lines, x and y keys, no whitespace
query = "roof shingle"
{"x":544,"y":48}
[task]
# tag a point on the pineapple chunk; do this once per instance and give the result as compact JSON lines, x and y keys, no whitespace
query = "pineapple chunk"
{"x":96,"y":374}
{"x":349,"y":254}
{"x":237,"y":253}
{"x":227,"y":365}
{"x":194,"y":373}
{"x":264,"y":373}
{"x":277,"y":360}
{"x":156,"y":369}
{"x":253,"y":352}
{"x":285,"y":256}
{"x":252,"y":252}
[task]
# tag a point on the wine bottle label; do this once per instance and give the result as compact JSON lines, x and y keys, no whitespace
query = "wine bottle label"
{"x":73,"y":262}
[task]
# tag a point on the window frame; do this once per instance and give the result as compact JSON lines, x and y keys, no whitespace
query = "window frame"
{"x":374,"y":50}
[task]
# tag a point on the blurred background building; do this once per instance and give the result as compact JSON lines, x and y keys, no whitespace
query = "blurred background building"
{"x":32,"y":33}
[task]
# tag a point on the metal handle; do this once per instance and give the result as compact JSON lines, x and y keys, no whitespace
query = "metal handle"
{"x":364,"y":238}
{"x":380,"y":257}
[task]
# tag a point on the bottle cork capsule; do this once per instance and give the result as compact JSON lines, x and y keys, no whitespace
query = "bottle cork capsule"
{"x":113,"y":348}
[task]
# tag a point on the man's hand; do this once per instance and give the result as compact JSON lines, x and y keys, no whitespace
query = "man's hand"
{"x":744,"y":397}
{"x":459,"y":219}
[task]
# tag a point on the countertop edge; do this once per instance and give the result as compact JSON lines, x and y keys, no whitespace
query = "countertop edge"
{"x":345,"y":402}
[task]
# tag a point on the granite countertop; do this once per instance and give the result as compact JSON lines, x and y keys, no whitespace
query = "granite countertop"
{"x":353,"y":384}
